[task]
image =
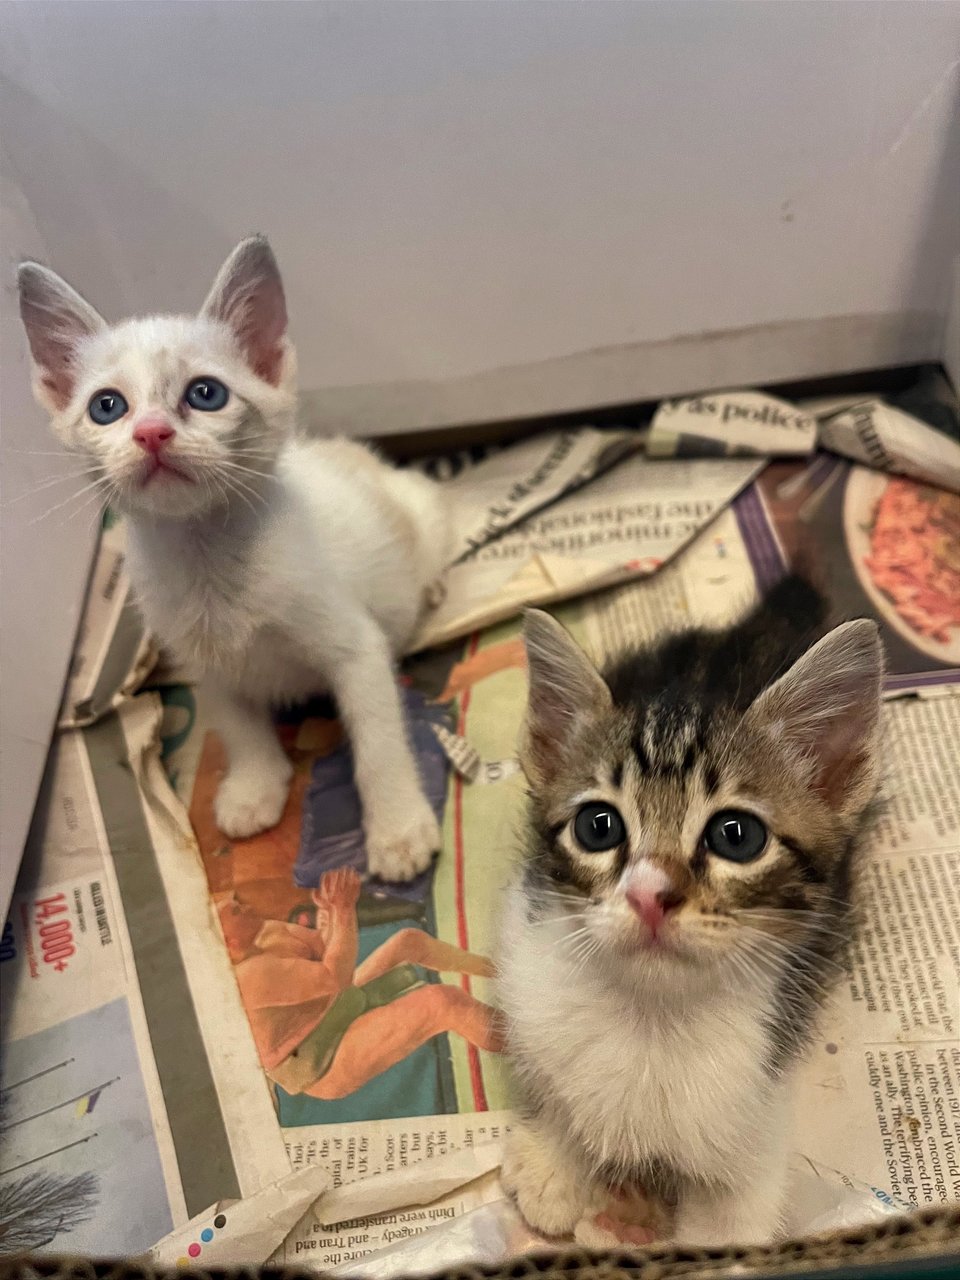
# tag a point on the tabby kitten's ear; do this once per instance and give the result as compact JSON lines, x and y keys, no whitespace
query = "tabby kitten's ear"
{"x":56,"y":319}
{"x":826,"y":711}
{"x":248,"y":296}
{"x":566,"y":692}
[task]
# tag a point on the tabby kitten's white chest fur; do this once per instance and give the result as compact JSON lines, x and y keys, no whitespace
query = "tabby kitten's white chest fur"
{"x":280,"y":567}
{"x":695,"y":822}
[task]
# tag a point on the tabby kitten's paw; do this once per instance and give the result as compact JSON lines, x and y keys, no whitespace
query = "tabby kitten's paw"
{"x":407,"y":847}
{"x":623,"y":1215}
{"x":547,"y":1190}
{"x":603,"y":1231}
{"x":249,"y":802}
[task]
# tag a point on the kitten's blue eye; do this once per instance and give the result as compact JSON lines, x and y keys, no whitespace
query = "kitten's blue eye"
{"x":106,"y":407}
{"x":736,"y":836}
{"x":207,"y":394}
{"x":598,"y":827}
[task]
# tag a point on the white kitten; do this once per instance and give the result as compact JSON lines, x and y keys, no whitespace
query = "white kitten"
{"x":282,"y":567}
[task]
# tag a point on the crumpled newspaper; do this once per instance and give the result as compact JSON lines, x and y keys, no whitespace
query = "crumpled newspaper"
{"x":821,"y":1200}
{"x":247,"y":1232}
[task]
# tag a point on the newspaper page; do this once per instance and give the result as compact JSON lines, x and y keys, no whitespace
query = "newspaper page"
{"x":113,"y":1127}
{"x":881,"y":546}
{"x":883,"y":1082}
{"x":623,"y":525}
{"x":159,"y":942}
{"x":403,"y":1066}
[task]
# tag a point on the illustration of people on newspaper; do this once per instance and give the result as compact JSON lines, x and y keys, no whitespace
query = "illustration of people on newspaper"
{"x":325,"y":1025}
{"x":339,"y":973}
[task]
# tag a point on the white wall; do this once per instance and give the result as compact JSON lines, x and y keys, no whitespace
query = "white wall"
{"x":45,"y":551}
{"x":456,"y":188}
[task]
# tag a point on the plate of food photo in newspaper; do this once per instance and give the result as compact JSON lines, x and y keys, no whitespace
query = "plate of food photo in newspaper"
{"x":903,"y":539}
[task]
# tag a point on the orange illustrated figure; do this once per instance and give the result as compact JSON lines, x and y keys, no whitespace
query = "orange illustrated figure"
{"x":323,"y":1024}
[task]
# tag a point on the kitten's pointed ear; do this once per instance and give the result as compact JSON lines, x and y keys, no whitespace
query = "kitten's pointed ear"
{"x":826,"y":711}
{"x":566,"y":692}
{"x":56,"y":318}
{"x":248,"y":296}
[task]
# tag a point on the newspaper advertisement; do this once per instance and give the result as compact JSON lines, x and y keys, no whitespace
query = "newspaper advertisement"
{"x":242,"y":1048}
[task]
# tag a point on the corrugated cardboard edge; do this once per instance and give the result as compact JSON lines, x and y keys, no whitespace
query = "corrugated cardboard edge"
{"x":927,"y":1235}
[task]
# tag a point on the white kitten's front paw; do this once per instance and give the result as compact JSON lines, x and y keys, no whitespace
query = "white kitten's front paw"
{"x":248,"y":803}
{"x":401,"y":849}
{"x":548,"y":1192}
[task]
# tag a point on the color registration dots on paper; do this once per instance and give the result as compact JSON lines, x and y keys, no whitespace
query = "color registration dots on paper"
{"x":206,"y":1235}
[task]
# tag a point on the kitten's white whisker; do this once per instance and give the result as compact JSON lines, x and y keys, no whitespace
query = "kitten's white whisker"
{"x":806,"y":934}
{"x":787,"y":975}
{"x":92,"y":501}
{"x":41,"y":453}
{"x":241,"y":490}
{"x":49,"y":483}
{"x":98,"y":483}
{"x":236,"y":469}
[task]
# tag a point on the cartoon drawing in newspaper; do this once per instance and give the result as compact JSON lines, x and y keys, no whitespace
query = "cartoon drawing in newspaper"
{"x":325,"y":1025}
{"x":338,"y":973}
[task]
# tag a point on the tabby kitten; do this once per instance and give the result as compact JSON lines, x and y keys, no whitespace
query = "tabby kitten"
{"x":696,"y":815}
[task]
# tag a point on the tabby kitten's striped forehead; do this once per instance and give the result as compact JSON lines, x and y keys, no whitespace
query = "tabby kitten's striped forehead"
{"x":705,"y":790}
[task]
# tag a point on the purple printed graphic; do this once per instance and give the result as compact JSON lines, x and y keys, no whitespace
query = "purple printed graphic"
{"x":759,"y":538}
{"x":332,"y":832}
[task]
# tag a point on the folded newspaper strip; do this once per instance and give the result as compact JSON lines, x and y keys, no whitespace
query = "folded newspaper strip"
{"x":729,"y":423}
{"x":497,"y":493}
{"x":878,"y":435}
{"x":250,"y":1232}
{"x":112,"y":654}
{"x":887,"y":439}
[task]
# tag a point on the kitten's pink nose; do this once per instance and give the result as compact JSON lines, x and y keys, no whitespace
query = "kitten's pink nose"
{"x":652,"y":895}
{"x":153,"y":434}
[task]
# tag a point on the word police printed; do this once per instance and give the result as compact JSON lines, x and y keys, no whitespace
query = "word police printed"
{"x":742,"y":422}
